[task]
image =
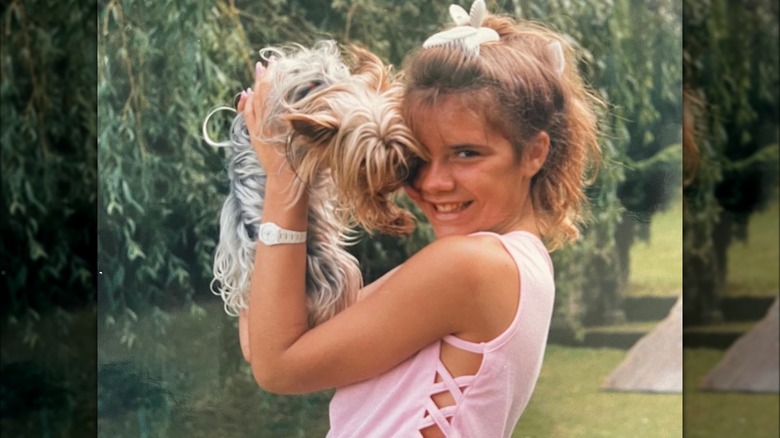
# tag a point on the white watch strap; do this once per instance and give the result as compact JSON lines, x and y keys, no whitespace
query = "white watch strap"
{"x":289,"y":236}
{"x":273,"y":234}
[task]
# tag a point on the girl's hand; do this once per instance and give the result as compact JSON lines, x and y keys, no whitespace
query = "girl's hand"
{"x":253,"y":103}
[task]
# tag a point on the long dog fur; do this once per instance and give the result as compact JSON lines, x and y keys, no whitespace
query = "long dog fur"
{"x":344,"y":135}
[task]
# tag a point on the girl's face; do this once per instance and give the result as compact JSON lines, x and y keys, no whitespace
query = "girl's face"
{"x":474,"y":181}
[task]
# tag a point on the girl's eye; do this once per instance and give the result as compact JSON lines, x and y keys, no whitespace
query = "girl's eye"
{"x":466,"y":153}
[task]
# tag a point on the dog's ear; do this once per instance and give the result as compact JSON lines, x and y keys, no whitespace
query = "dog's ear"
{"x":318,"y":128}
{"x":369,"y":68}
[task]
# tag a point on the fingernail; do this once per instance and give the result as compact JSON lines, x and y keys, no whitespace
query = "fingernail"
{"x":249,"y":90}
{"x":259,"y":69}
{"x":244,"y":94}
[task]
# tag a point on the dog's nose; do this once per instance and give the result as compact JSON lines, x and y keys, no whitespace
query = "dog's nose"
{"x":413,"y":170}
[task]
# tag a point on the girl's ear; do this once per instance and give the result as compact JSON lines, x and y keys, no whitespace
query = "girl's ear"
{"x":317,"y":127}
{"x":535,"y":154}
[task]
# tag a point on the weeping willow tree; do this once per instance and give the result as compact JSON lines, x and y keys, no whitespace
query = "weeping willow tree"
{"x":48,"y":157}
{"x":731,"y":71}
{"x":47,"y":254}
{"x":638,"y":73}
{"x":161,"y":66}
{"x":631,"y":56}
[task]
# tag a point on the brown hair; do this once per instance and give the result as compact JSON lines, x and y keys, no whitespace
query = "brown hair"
{"x":515,"y":85}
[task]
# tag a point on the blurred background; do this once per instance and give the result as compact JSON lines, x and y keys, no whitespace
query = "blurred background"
{"x":166,"y":360}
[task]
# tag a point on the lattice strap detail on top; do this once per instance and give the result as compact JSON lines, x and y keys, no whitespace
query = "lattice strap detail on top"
{"x":455,"y":386}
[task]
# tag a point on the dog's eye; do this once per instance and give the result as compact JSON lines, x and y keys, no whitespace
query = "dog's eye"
{"x":306,"y":89}
{"x":251,"y":231}
{"x":415,"y":164}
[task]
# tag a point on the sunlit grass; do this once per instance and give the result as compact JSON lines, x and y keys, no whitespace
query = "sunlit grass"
{"x":656,"y":264}
{"x":753,"y":264}
{"x":568,"y":403}
{"x":640,"y":327}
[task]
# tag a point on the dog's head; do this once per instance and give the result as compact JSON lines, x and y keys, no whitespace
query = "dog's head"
{"x":350,"y":124}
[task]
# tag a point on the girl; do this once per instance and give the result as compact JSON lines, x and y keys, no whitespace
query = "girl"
{"x":451,"y":342}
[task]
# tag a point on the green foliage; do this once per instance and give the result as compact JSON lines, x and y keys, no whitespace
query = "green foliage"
{"x":161,"y":67}
{"x":48,"y":155}
{"x":630,"y":54}
{"x":732,"y":68}
{"x":161,"y":187}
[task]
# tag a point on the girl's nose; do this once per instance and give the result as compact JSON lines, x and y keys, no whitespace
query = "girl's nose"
{"x":434,"y":177}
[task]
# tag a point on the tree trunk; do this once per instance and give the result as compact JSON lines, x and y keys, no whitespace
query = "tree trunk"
{"x":703,"y":275}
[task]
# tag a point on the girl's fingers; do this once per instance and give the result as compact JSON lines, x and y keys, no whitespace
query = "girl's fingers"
{"x":249,"y":111}
{"x":242,"y":101}
{"x":259,"y":69}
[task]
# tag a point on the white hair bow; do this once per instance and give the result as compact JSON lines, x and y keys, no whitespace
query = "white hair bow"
{"x":468,"y":34}
{"x":558,"y":59}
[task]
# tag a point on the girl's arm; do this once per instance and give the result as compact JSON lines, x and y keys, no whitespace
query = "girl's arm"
{"x":442,"y":290}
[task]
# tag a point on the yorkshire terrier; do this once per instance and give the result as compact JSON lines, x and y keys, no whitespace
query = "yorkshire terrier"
{"x":352,"y":151}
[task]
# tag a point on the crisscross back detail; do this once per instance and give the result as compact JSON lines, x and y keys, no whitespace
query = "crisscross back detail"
{"x":441,"y":416}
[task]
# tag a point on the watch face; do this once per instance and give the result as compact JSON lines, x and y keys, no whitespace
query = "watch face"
{"x":269,"y":234}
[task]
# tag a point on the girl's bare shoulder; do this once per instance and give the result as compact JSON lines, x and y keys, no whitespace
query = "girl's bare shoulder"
{"x":466,"y":258}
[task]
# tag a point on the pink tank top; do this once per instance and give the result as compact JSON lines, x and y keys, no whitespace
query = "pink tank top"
{"x":398,"y":403}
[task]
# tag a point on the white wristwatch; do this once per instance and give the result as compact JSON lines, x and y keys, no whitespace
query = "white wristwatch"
{"x":271,"y":234}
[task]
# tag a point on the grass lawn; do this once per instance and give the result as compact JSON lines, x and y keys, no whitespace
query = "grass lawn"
{"x":567,"y":401}
{"x":656,"y":264}
{"x":715,"y":414}
{"x":753,"y":264}
{"x":642,"y":327}
{"x":60,"y":363}
{"x":207,"y":401}
{"x":723,"y":327}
